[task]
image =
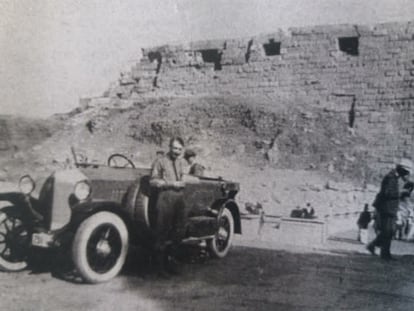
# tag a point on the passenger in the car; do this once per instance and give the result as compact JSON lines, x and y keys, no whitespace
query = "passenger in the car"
{"x":196,"y":169}
{"x":167,"y":174}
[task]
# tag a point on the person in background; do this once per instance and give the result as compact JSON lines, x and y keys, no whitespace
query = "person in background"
{"x":386,"y":204}
{"x":410,"y":224}
{"x":297,"y":212}
{"x":196,"y":169}
{"x":399,"y":225}
{"x":403,"y":215}
{"x":363,"y":222}
{"x":160,"y":154}
{"x":308,"y":211}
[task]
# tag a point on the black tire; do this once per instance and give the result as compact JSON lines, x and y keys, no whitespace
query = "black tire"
{"x":100,"y":247}
{"x":220,"y":245}
{"x":14,"y":241}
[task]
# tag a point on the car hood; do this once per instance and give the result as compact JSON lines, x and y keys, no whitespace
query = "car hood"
{"x":112,"y":184}
{"x":113,"y":174}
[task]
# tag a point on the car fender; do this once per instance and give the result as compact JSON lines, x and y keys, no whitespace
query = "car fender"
{"x":15,"y":198}
{"x":21,"y":205}
{"x":234,"y":209}
{"x":83,"y":210}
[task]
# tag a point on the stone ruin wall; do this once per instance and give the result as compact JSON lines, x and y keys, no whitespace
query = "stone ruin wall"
{"x":365,"y":73}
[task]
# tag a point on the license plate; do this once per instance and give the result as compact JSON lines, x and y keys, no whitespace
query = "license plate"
{"x":41,"y":240}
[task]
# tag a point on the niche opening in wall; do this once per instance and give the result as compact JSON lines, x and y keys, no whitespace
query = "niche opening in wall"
{"x":212,"y":56}
{"x":349,"y":45}
{"x":272,"y":48}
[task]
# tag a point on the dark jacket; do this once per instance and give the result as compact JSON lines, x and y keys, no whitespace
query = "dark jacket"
{"x":387,"y":199}
{"x":165,"y":169}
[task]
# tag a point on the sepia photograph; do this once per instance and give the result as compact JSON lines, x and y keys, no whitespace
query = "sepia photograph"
{"x":168,"y":155}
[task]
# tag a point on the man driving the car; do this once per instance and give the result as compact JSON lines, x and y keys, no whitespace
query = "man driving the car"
{"x":167,"y":175}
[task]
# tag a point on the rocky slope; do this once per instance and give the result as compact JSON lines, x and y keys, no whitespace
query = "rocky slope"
{"x":19,"y":134}
{"x":283,"y":156}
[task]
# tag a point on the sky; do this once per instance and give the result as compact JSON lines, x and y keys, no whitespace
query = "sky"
{"x":52,"y":52}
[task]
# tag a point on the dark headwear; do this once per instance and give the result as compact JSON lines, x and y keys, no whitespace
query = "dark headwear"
{"x":189,"y":153}
{"x":406,"y":164}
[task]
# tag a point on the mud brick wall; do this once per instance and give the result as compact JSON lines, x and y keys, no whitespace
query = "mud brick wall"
{"x":365,"y":73}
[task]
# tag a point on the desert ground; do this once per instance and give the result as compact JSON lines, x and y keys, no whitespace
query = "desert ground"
{"x":256,"y":275}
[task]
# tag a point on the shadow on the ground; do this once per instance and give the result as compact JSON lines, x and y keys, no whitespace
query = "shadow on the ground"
{"x":142,"y":264}
{"x":409,"y":259}
{"x":57,"y":263}
{"x":256,"y":265}
{"x":345,"y":240}
{"x":139,"y":263}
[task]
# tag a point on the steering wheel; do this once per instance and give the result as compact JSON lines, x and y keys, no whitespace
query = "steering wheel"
{"x":119,"y":160}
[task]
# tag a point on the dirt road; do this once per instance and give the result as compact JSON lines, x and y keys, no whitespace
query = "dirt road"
{"x":248,"y":279}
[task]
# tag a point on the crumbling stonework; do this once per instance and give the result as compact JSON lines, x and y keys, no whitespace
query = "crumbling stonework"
{"x":364,"y":73}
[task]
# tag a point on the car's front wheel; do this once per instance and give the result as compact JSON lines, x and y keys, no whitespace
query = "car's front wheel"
{"x":100,"y":247}
{"x":14,"y":241}
{"x":220,"y":245}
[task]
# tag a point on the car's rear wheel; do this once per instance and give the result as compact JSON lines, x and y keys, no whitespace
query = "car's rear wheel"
{"x":220,"y":245}
{"x":100,"y":247}
{"x":14,"y":241}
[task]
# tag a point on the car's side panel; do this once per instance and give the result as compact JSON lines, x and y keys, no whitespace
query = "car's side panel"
{"x":112,"y":184}
{"x":200,"y":197}
{"x":114,"y":174}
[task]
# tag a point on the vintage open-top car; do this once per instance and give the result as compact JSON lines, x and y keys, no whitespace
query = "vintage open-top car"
{"x":96,"y":211}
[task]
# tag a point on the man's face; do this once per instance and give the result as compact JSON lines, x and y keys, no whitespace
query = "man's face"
{"x":176,"y":149}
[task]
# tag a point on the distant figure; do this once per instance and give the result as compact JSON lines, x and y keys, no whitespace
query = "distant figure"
{"x":308,"y":211}
{"x":403,"y":216}
{"x":254,"y":209}
{"x":196,"y":169}
{"x":386,"y":204}
{"x":160,"y":154}
{"x":363,"y":221}
{"x":399,"y":226}
{"x":297,"y":212}
{"x":410,"y":224}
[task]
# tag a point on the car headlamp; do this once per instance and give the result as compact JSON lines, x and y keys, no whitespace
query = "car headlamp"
{"x":26,"y":184}
{"x":82,"y":190}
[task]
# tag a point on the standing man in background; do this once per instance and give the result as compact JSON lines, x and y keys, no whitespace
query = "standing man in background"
{"x":386,"y":204}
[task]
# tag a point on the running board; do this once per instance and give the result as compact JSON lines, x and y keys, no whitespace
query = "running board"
{"x":194,"y":239}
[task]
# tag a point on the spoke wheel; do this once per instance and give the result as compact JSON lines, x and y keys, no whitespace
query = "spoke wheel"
{"x":14,"y":242}
{"x":100,"y":247}
{"x":220,"y":245}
